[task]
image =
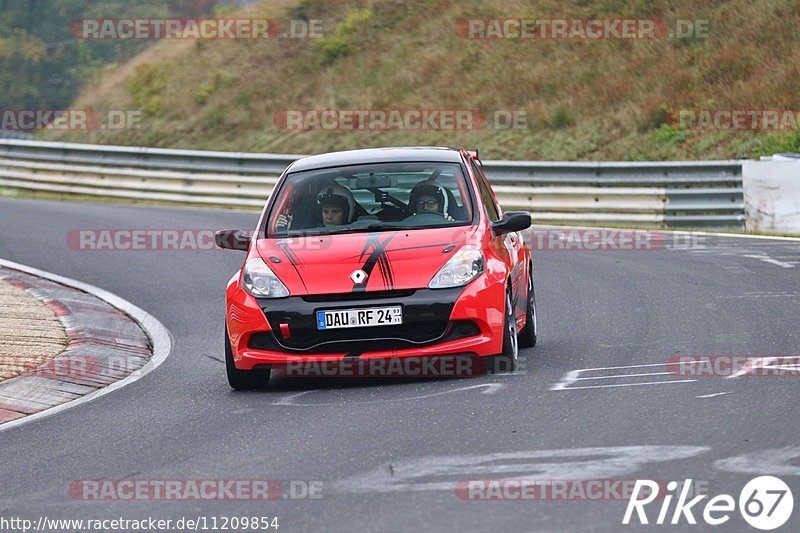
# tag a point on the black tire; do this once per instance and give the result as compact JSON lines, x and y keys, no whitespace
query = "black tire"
{"x":243,"y":379}
{"x":507,"y":361}
{"x":527,"y":337}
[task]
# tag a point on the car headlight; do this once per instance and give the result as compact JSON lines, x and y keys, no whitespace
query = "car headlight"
{"x":261,"y":282}
{"x":466,"y":265}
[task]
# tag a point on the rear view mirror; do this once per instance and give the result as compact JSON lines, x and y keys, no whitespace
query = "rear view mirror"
{"x":372,"y":182}
{"x":511,"y":222}
{"x":232,"y":239}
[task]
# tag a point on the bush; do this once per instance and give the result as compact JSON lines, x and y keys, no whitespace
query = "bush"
{"x":656,"y":117}
{"x":343,"y":40}
{"x":145,"y":87}
{"x":204,"y":92}
{"x":668,"y":134}
{"x":561,"y":119}
{"x":775,"y":143}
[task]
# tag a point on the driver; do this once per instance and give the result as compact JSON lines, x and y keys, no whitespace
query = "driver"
{"x":427,"y":197}
{"x":335,"y":204}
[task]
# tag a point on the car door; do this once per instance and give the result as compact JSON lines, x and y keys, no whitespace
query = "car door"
{"x":510,"y":245}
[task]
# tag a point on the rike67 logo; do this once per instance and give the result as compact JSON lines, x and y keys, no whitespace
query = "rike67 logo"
{"x":765,"y":503}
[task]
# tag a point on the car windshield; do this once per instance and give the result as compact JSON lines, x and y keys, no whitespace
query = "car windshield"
{"x":375,"y":197}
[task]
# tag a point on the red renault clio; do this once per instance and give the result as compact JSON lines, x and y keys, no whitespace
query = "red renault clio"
{"x":379,"y":254}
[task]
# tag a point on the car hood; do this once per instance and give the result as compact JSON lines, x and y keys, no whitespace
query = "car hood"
{"x":392,"y":260}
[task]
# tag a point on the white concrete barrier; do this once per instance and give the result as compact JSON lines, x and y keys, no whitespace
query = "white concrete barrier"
{"x":772,"y":195}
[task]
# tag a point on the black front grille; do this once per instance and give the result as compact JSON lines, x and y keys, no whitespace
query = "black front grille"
{"x":426,"y":319}
{"x":263,"y":340}
{"x":461,"y":329}
{"x":357,"y":296}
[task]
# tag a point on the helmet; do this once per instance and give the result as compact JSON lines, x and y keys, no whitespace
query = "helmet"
{"x":339,"y":196}
{"x":427,"y":188}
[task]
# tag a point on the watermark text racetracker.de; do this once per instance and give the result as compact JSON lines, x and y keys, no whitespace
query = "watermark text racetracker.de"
{"x":409,"y":366}
{"x":581,"y":29}
{"x":551,"y":489}
{"x":399,"y":119}
{"x":613,"y":240}
{"x":168,"y":239}
{"x":539,"y":239}
{"x":69,"y":119}
{"x":735,"y":119}
{"x":734,"y":366}
{"x":125,"y":239}
{"x":194,"y":28}
{"x":195,"y":489}
{"x":65,"y":366}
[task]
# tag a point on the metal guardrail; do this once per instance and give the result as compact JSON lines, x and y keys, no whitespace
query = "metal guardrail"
{"x":12,"y":134}
{"x":668,"y":194}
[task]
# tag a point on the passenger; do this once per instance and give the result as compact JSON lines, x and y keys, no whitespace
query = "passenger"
{"x":427,"y":197}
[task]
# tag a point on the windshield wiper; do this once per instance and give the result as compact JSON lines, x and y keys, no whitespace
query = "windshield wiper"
{"x":351,"y":229}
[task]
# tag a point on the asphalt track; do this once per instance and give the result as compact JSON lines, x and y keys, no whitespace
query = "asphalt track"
{"x":390,"y":453}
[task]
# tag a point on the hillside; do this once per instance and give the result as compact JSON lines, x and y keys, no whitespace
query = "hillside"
{"x":43,"y":66}
{"x":584,"y":99}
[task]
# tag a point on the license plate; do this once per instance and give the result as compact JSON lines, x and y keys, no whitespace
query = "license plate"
{"x":360,"y":318}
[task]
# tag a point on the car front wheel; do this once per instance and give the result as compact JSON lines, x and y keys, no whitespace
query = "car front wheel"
{"x":527,"y":337}
{"x":243,"y":379}
{"x":507,"y":360}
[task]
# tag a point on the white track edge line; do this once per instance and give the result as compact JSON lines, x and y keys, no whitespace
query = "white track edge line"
{"x":628,"y":384}
{"x":159,"y":335}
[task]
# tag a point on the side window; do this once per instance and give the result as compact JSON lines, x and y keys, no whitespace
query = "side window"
{"x":486,"y":195}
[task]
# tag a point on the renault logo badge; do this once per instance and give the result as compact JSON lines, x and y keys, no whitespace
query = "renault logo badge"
{"x":358,"y":277}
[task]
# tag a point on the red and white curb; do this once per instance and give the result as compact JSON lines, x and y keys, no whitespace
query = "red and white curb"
{"x":111,"y":343}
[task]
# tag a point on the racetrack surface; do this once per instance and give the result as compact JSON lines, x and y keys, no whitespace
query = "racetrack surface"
{"x":390,"y":453}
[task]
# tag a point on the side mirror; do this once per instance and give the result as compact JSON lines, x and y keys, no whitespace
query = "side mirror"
{"x":232,"y":239}
{"x":512,"y":221}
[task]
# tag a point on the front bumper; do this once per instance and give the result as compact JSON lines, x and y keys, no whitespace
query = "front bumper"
{"x":464,"y":321}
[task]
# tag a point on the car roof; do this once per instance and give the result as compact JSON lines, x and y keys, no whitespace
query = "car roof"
{"x":377,"y":155}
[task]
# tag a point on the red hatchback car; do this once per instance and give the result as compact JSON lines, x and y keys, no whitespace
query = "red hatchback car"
{"x":379,"y":253}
